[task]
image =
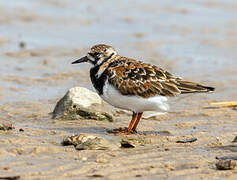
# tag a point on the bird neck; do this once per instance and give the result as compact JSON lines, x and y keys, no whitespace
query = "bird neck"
{"x":99,"y":69}
{"x":99,"y":74}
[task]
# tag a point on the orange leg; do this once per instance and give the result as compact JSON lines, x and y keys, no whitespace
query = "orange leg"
{"x":134,"y":117}
{"x":134,"y":129}
{"x":126,"y":130}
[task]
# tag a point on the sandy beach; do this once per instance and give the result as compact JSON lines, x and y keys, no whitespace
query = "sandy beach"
{"x":194,"y":39}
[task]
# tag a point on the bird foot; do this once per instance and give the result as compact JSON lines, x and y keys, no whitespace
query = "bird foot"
{"x":122,"y":131}
{"x":134,"y":131}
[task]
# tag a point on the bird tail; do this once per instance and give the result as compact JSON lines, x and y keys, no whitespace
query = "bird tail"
{"x":191,"y":87}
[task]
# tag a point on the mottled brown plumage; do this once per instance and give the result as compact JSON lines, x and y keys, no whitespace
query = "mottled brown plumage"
{"x":133,"y":77}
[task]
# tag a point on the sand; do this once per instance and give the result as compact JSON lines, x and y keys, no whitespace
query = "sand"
{"x":39,"y":39}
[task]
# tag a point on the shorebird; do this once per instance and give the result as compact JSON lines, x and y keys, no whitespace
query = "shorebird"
{"x":134,"y":85}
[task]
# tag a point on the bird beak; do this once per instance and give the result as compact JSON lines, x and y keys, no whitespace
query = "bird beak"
{"x":83,"y":59}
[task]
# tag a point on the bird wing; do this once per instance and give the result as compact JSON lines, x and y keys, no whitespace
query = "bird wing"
{"x":132,"y":77}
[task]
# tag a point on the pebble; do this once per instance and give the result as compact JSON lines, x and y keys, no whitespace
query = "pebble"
{"x":235,"y":139}
{"x":227,"y":164}
{"x":187,"y":140}
{"x":89,"y":142}
{"x":6,"y":126}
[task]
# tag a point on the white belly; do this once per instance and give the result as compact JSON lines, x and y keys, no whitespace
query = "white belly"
{"x":133,"y":103}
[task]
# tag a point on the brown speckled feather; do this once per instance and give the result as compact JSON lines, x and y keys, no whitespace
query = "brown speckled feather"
{"x":132,"y":77}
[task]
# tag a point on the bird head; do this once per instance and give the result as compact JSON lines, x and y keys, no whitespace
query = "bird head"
{"x":97,"y":55}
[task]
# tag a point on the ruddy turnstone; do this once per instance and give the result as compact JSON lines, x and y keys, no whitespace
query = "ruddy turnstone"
{"x":134,"y":85}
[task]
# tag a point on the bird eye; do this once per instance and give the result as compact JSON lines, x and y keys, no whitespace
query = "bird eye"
{"x":93,"y":54}
{"x":105,"y":50}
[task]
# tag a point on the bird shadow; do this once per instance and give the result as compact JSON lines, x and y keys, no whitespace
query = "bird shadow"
{"x":163,"y":133}
{"x":104,"y":131}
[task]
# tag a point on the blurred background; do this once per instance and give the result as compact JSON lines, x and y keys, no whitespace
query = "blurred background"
{"x":39,"y":39}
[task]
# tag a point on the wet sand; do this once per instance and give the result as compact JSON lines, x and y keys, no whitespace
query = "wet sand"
{"x":38,"y":41}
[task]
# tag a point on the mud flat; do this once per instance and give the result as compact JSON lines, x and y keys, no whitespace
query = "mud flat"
{"x":195,"y":39}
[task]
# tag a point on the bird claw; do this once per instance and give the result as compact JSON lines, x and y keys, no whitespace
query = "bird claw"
{"x":122,"y":131}
{"x":134,"y":131}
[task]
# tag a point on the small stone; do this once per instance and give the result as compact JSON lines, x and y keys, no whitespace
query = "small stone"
{"x":95,"y":176}
{"x":97,"y":144}
{"x":190,"y":140}
{"x":227,"y":164}
{"x":169,"y":167}
{"x":235,"y":139}
{"x":76,"y":139}
{"x":10,"y":177}
{"x":138,"y":175}
{"x":89,"y":142}
{"x":21,"y":130}
{"x":128,"y":142}
{"x":6,"y":168}
{"x":6,"y":126}
{"x":84,"y":158}
{"x":52,"y":132}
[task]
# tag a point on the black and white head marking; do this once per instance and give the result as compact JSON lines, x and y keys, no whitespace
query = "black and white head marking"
{"x":99,"y":54}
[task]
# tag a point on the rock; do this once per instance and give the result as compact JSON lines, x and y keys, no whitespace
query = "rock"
{"x":227,"y":164}
{"x":21,"y":130}
{"x":95,"y":176}
{"x":76,"y":139}
{"x":190,"y":140}
{"x":80,"y":103}
{"x":6,"y":126}
{"x":235,"y":139}
{"x":129,"y":142}
{"x":169,"y":167}
{"x":10,"y":177}
{"x":90,"y":142}
{"x":97,"y":144}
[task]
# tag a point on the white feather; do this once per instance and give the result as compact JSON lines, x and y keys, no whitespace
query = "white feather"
{"x":133,"y":103}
